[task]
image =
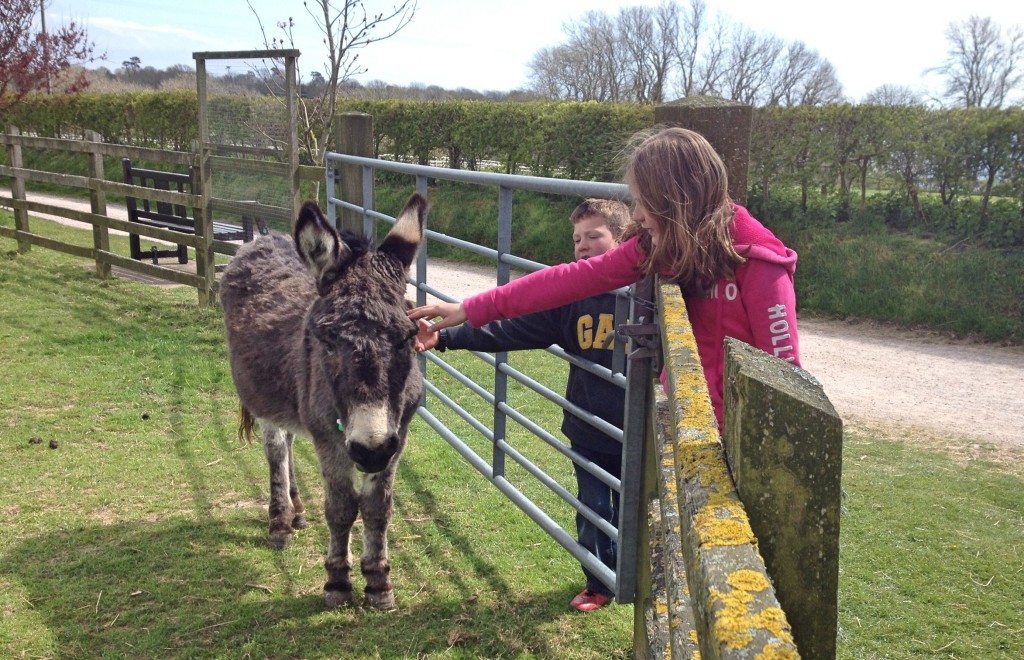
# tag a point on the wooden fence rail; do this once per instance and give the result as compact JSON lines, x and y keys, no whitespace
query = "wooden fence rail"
{"x":202,"y":203}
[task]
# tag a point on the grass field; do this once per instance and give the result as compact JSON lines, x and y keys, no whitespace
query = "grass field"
{"x":141,"y":534}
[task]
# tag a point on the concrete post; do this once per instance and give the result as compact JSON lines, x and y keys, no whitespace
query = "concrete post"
{"x":725,"y":124}
{"x":783,"y":442}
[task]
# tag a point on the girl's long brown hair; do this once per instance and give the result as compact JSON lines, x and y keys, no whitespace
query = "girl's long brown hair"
{"x":677,"y":176}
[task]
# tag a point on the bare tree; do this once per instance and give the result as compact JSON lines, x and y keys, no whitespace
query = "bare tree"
{"x":749,"y":61}
{"x":589,"y":66}
{"x":595,"y":57}
{"x":890,"y":95}
{"x":347,"y":28}
{"x":982,"y":66}
{"x":545,"y":74}
{"x":636,"y":55}
{"x":649,"y":37}
{"x":32,"y":59}
{"x":693,"y":26}
{"x":802,"y":77}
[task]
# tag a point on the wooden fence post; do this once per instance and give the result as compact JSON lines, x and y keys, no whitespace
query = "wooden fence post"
{"x":202,"y":184}
{"x":98,"y":204}
{"x":353,"y":135}
{"x":18,"y":189}
{"x":784,"y":441}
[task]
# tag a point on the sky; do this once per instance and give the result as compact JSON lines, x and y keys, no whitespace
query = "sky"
{"x":486,"y":45}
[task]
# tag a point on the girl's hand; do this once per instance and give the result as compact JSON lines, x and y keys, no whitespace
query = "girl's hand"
{"x":426,"y":337}
{"x":452,"y":314}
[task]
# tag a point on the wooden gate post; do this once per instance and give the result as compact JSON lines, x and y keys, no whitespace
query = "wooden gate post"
{"x":725,"y":124}
{"x":353,"y":136}
{"x":98,"y":205}
{"x":18,"y":189}
{"x":784,"y":444}
{"x":205,"y":256}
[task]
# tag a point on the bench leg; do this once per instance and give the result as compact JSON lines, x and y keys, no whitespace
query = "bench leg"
{"x":182,"y":254}
{"x":134,"y":247}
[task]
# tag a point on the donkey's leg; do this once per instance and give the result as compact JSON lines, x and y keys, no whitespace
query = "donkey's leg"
{"x":341,"y":507}
{"x":299,"y":519}
{"x":276,"y":448}
{"x":376,"y":504}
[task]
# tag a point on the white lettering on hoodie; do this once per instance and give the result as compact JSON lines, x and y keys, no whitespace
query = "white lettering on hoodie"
{"x":780,"y":331}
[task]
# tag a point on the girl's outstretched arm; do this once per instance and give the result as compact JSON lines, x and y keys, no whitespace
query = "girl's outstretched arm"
{"x":452,"y":314}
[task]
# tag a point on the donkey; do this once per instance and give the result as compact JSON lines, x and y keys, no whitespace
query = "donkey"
{"x":320,"y":346}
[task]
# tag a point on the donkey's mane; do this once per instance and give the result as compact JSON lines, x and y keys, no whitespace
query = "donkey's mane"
{"x":357,"y":243}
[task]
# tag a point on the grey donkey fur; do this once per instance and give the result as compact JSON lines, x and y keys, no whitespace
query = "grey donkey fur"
{"x":319,"y":340}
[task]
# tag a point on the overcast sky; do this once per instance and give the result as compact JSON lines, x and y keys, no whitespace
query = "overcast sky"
{"x":487,"y":44}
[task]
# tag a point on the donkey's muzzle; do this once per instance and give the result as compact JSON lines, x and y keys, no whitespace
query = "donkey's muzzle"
{"x":376,"y":458}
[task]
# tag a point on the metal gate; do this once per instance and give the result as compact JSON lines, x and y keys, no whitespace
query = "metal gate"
{"x":632,"y":375}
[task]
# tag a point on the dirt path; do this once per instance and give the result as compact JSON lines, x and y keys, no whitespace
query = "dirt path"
{"x":963,"y":397}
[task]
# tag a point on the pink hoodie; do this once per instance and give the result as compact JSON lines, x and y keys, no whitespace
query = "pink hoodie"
{"x":758,"y":306}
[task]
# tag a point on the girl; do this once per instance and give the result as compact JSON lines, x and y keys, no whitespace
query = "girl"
{"x":735,"y":276}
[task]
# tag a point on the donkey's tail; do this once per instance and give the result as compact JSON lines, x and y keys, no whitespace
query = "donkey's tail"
{"x":245,"y":424}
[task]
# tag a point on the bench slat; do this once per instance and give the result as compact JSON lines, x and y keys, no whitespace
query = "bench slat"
{"x":171,"y":216}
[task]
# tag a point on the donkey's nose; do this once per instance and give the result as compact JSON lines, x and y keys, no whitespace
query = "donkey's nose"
{"x":373,"y":459}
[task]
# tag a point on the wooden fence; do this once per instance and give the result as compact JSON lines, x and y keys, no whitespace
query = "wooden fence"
{"x":203,"y":204}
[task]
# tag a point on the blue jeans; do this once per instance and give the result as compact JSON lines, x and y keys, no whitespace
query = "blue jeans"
{"x":604,"y":501}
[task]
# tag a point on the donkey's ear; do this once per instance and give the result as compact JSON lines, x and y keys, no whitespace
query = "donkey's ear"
{"x":403,"y":241}
{"x":316,"y":240}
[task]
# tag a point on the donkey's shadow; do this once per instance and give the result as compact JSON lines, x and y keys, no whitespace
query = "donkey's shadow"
{"x":140,"y":587}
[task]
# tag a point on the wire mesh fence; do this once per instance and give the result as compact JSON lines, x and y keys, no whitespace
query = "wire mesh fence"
{"x":247,"y":127}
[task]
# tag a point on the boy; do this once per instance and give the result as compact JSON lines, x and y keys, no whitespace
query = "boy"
{"x":584,"y":329}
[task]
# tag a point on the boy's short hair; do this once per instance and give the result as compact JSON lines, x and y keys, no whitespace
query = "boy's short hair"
{"x":614,"y":213}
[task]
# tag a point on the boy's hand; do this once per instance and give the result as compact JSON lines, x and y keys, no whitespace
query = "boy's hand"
{"x":452,"y":314}
{"x":426,"y":336}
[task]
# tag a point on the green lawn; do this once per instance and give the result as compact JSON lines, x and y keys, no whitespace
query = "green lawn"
{"x":141,"y":534}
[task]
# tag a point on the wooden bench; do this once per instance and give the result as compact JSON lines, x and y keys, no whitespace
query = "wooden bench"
{"x":171,"y":216}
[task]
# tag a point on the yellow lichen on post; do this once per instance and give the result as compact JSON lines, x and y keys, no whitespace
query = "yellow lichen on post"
{"x":735,"y":623}
{"x":718,"y":526}
{"x":777,"y":651}
{"x":748,"y":580}
{"x":687,"y":385}
{"x":736,"y":611}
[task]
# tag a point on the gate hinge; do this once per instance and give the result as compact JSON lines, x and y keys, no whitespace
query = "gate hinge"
{"x":646,"y":336}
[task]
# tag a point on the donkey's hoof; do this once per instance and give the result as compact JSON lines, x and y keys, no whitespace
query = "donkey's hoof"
{"x":300,"y":522}
{"x":336,"y":599}
{"x":381,"y":600}
{"x":279,"y":540}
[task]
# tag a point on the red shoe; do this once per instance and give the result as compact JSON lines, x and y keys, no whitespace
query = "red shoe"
{"x":588,"y":601}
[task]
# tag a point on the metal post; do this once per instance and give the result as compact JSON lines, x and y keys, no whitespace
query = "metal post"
{"x":633,"y":500}
{"x":501,"y":358}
